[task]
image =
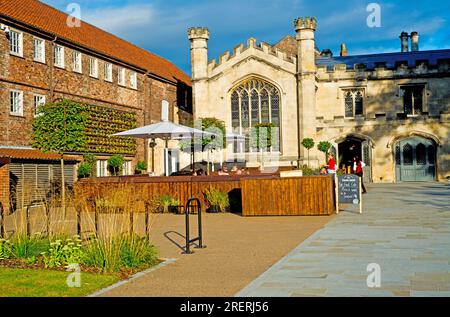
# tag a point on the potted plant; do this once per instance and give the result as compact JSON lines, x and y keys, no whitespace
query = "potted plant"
{"x":217,"y":199}
{"x":167,"y":204}
{"x":141,"y":167}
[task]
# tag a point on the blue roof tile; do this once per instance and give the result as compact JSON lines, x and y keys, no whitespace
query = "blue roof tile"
{"x":390,"y":59}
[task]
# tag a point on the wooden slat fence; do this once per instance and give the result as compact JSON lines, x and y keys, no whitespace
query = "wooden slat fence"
{"x":303,"y":196}
{"x":251,"y":195}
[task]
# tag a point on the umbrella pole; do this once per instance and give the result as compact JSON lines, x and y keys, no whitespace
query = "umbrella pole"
{"x":166,"y":157}
{"x":193,"y":154}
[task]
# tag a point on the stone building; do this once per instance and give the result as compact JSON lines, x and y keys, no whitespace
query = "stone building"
{"x":392,"y":110}
{"x":45,"y":56}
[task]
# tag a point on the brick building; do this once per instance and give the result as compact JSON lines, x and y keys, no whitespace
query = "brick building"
{"x":43,"y":59}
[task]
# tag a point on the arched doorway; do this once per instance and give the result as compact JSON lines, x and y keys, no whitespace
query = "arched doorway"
{"x":356,"y":146}
{"x":415,"y":160}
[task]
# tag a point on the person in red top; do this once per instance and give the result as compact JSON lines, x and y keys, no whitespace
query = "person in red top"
{"x":331,"y":166}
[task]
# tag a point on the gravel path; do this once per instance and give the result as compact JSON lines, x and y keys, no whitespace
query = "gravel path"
{"x":238,"y":251}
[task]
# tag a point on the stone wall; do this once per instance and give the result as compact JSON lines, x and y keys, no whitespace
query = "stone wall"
{"x":383,"y":121}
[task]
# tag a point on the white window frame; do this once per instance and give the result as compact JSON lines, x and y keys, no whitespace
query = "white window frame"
{"x":16,"y":48}
{"x":108,"y":72}
{"x":93,"y":67}
{"x":102,"y":168}
{"x":38,"y":100}
{"x":77,"y":62}
{"x":39,"y":50}
{"x":16,"y":109}
{"x":133,"y":80}
{"x":121,"y":76}
{"x":58,"y":56}
{"x":126,"y":168}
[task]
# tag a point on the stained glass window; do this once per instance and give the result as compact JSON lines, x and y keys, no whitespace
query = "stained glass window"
{"x":255,"y":108}
{"x":245,"y":115}
{"x":235,"y":113}
{"x":265,"y":117}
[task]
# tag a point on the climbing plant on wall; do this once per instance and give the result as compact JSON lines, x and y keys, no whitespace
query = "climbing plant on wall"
{"x":67,"y":126}
{"x":101,"y":124}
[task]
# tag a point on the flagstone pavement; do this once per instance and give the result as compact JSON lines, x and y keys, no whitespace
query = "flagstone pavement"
{"x":405,"y":229}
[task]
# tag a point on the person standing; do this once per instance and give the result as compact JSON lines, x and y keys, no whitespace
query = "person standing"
{"x":331,"y":166}
{"x":358,"y":166}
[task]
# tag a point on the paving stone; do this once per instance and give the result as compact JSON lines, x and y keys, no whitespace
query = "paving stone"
{"x":408,"y":238}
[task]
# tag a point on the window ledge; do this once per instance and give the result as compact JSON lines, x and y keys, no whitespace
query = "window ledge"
{"x":17,"y":115}
{"x":40,"y":62}
{"x":60,"y":66}
{"x":16,"y":54}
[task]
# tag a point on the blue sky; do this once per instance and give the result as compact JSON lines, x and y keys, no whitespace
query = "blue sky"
{"x":161,"y":25}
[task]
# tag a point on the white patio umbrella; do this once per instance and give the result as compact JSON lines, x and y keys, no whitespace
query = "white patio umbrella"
{"x":166,"y":131}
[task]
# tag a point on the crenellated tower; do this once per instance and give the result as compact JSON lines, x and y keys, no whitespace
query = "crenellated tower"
{"x":199,"y":37}
{"x":306,"y":81}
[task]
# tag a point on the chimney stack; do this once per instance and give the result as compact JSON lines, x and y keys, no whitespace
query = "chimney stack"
{"x":404,"y":41}
{"x":343,"y":49}
{"x":414,"y":41}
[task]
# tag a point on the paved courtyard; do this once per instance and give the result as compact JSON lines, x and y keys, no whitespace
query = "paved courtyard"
{"x":405,"y":229}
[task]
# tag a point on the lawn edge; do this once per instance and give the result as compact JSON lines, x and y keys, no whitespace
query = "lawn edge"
{"x":132,"y":278}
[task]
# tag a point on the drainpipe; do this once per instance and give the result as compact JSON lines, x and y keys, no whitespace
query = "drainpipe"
{"x":52,"y":69}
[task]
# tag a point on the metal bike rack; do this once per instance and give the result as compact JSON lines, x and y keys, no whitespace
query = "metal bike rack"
{"x":200,"y":234}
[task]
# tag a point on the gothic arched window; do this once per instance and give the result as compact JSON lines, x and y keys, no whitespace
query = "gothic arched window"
{"x":253,"y":102}
{"x":354,"y":102}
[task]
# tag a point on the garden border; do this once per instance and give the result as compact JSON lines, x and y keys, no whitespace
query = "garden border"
{"x":133,"y":277}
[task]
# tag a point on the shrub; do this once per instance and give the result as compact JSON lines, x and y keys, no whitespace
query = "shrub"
{"x":5,"y":249}
{"x":136,"y":252}
{"x":308,"y":144}
{"x":115,"y":163}
{"x":165,"y":201}
{"x":141,"y":167}
{"x":324,"y":146}
{"x":307,"y":171}
{"x":113,"y":253}
{"x":64,"y":253}
{"x":24,"y":247}
{"x":217,"y":197}
{"x":84,"y":170}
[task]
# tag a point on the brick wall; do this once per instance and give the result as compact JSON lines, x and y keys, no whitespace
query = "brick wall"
{"x":31,"y":77}
{"x":4,"y":186}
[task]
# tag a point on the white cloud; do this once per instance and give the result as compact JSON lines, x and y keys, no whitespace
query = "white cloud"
{"x":121,"y":19}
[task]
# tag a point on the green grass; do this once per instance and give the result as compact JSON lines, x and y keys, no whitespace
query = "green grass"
{"x":48,"y":283}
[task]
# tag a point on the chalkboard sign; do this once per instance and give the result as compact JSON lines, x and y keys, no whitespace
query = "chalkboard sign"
{"x":349,"y":192}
